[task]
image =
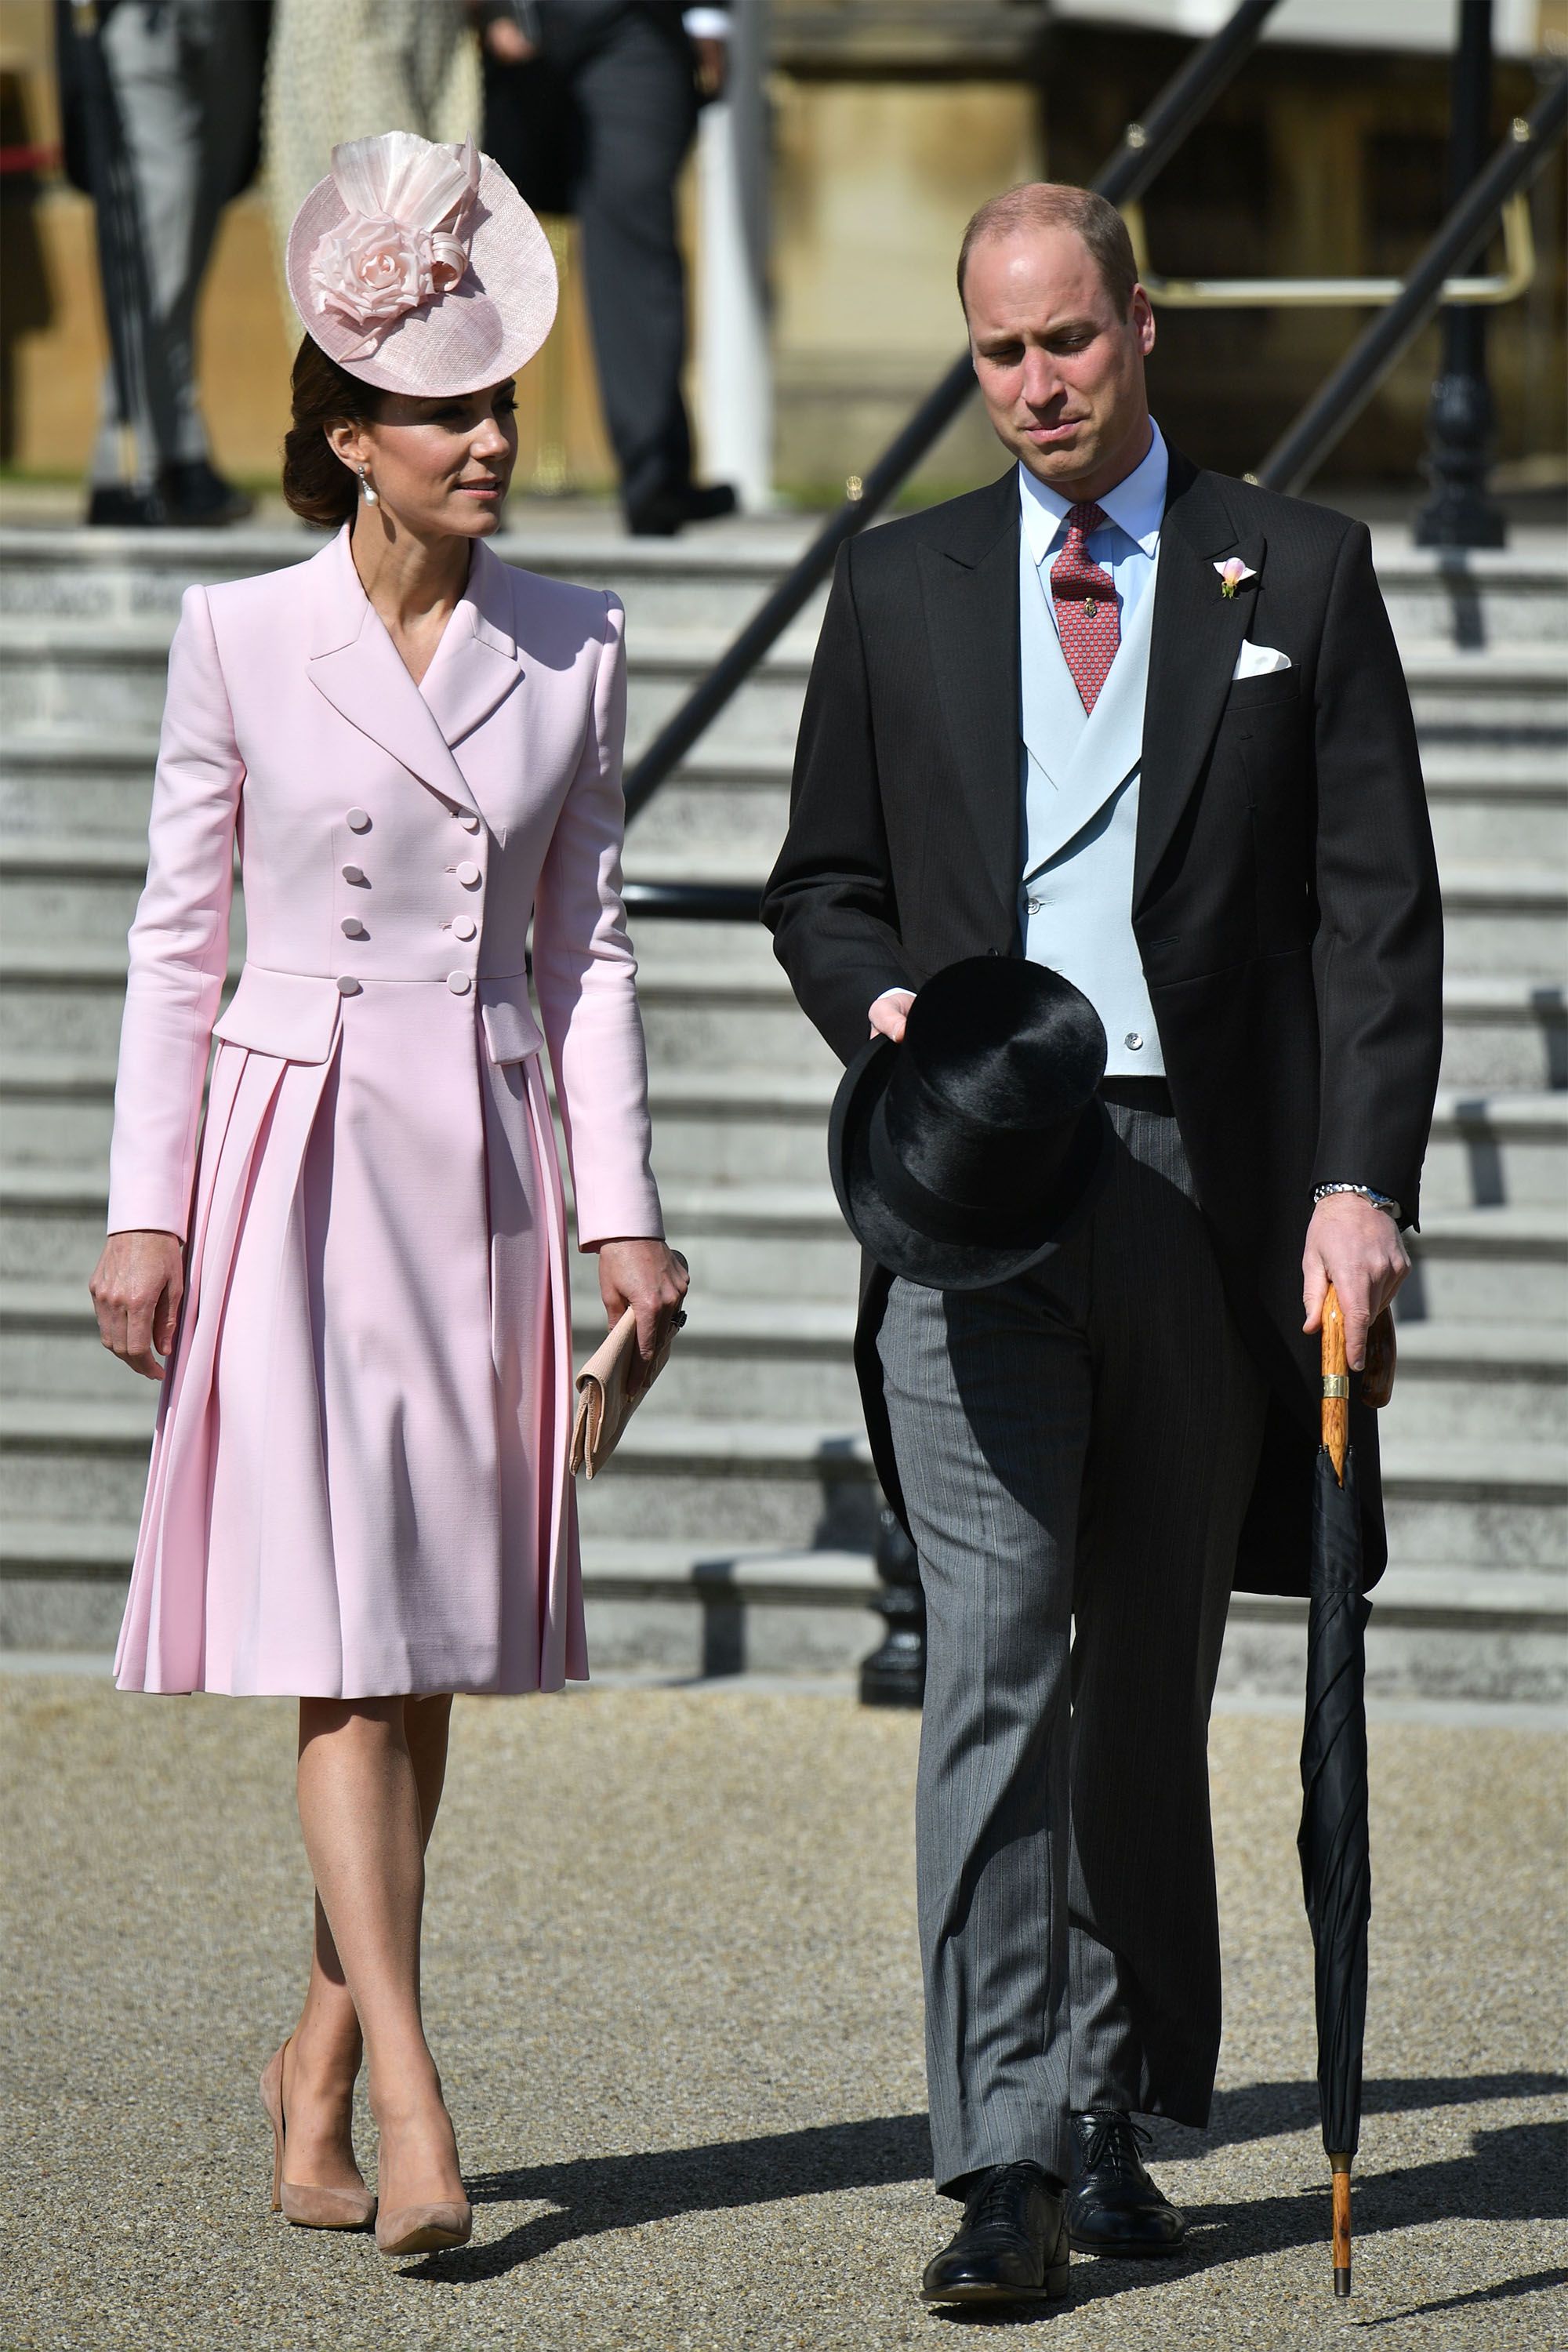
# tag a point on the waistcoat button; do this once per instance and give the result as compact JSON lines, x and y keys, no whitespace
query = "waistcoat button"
{"x":1132,"y":1040}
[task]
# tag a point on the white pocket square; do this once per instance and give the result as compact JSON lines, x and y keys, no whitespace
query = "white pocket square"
{"x":1259,"y":661}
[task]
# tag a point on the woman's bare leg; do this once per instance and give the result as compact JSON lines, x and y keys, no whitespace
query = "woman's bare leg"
{"x":321,"y":2064}
{"x":365,"y":1814}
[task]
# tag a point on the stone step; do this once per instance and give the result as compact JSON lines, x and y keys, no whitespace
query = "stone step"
{"x":768,"y":1241}
{"x":1474,"y":1382}
{"x":804,"y":1486}
{"x":85,"y":675}
{"x":709,"y":582}
{"x":1496,"y":1146}
{"x":726,"y":1125}
{"x":1489,"y":1265}
{"x":1512,"y":596}
{"x":92,"y":789}
{"x":1486,"y":807}
{"x":1443,"y":1632}
{"x":801,"y":1483}
{"x":1504,"y":918}
{"x":1509,"y":1030}
{"x":1516,"y":696}
{"x":88,"y":675}
{"x":781,"y":1359}
{"x":1473,"y":599}
{"x":784,"y":1358}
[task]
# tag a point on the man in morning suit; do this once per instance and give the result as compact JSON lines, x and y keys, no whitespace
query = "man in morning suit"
{"x":1145,"y":725}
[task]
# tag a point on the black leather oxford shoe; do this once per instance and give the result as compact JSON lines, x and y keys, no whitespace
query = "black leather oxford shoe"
{"x":1013,"y":2245}
{"x":1113,"y":2206}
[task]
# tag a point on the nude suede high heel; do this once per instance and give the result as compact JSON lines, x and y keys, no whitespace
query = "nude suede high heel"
{"x":307,"y":2207}
{"x":425,"y":2229}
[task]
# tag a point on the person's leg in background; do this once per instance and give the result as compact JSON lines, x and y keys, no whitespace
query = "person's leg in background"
{"x":184,"y":79}
{"x":633,"y":82}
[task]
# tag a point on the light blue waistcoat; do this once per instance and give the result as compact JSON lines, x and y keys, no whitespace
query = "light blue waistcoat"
{"x":1080,"y":822}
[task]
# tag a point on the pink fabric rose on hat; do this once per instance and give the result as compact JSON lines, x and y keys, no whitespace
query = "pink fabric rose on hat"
{"x":373,"y":269}
{"x":401,"y":241}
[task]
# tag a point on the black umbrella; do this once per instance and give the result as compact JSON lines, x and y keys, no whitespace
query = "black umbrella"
{"x":1336,"y":1866}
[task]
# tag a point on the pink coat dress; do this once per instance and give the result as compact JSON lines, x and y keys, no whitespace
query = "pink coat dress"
{"x":360,"y":1481}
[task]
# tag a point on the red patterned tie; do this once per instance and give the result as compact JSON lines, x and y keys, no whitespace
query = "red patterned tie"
{"x":1088,"y":619}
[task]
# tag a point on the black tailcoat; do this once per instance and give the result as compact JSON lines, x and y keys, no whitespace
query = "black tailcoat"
{"x":1285,"y":894}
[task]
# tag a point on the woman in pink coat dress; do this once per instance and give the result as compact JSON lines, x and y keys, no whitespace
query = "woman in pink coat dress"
{"x":357,"y":1283}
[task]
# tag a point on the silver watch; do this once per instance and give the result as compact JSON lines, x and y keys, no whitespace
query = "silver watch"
{"x":1383,"y":1201}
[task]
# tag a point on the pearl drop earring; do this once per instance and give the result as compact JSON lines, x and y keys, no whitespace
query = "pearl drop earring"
{"x":365,"y":491}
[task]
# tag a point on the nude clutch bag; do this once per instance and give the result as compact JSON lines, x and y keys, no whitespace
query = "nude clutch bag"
{"x":610,"y":1387}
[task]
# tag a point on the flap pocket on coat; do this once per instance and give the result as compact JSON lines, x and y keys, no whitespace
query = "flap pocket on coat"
{"x":512,"y":1033}
{"x":293,"y":1014}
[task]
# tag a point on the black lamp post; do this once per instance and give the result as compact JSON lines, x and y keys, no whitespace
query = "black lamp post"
{"x":895,"y":1674}
{"x":1460,"y":421}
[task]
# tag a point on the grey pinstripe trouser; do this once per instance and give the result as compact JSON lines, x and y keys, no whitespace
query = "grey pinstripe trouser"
{"x":1077,"y":1449}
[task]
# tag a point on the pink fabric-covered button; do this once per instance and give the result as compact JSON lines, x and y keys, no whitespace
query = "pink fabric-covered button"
{"x":458,"y":982}
{"x":467,"y":874}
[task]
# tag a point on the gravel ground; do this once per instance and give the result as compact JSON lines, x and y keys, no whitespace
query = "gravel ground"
{"x":673,"y":1985}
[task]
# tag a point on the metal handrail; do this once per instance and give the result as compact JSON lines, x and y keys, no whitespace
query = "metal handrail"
{"x":1507,"y":284}
{"x":1146,"y":147}
{"x":1296,"y":457}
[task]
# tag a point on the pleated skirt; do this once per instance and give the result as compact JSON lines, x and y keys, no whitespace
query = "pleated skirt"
{"x":360,"y":1480}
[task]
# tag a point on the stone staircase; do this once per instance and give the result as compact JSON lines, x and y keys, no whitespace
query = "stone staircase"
{"x":735,"y":1529}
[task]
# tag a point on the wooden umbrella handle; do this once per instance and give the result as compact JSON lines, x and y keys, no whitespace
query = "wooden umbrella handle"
{"x":1336,"y":1408}
{"x":1381,"y":1354}
{"x":1341,"y":2240}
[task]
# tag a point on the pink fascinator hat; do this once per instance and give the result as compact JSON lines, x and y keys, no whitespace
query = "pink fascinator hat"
{"x":420,"y":268}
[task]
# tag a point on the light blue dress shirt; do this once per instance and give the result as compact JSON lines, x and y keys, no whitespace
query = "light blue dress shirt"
{"x":1125,"y":546}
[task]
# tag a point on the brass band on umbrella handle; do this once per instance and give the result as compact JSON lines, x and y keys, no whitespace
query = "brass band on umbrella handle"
{"x":1377,"y":1379}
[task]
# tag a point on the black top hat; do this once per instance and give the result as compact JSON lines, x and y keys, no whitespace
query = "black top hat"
{"x":970,"y":1152}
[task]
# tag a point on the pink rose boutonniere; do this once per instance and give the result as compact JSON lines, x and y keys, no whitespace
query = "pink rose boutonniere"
{"x":1233,"y":572}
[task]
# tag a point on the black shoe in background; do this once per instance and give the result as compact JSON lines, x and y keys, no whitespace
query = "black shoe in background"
{"x":668,"y":511}
{"x":196,"y":496}
{"x":1113,"y":2206}
{"x":1012,"y":2247}
{"x":120,"y":506}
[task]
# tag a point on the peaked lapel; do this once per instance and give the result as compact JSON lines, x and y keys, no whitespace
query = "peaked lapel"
{"x":355,"y":665}
{"x":970,"y":585}
{"x":1197,"y":634}
{"x":477,"y":662}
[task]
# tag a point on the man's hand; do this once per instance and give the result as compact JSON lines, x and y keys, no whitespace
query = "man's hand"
{"x":890,"y":1012}
{"x":136,"y":1288}
{"x":508,"y":43}
{"x":1358,"y":1249}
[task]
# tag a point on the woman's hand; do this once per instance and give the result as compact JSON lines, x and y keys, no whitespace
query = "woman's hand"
{"x":136,"y":1286}
{"x":648,"y":1277}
